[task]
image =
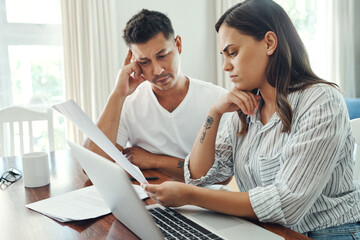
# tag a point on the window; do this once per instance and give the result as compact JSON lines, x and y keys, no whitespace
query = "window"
{"x":309,"y":18}
{"x":31,"y":59}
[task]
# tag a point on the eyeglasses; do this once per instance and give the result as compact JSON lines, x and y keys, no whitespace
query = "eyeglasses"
{"x":9,"y":177}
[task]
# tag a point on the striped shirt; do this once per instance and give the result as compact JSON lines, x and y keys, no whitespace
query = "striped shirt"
{"x":302,"y":179}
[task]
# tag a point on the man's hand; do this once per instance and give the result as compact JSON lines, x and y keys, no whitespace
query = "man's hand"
{"x":129,"y":77}
{"x":140,"y":157}
{"x":236,"y":99}
{"x":171,"y":166}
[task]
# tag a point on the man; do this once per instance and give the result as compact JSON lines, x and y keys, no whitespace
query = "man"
{"x":154,"y":107}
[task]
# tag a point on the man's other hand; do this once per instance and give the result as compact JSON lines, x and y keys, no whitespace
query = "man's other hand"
{"x":140,"y":157}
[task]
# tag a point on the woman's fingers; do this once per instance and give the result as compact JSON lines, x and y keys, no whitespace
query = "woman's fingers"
{"x":233,"y":99}
{"x":246,"y":101}
{"x":151,"y":190}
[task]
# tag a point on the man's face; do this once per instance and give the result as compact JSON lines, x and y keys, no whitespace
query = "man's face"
{"x":159,"y":60}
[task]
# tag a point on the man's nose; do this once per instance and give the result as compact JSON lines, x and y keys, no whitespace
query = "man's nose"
{"x":158,"y":68}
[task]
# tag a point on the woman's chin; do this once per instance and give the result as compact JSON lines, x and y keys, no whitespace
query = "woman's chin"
{"x":241,"y":88}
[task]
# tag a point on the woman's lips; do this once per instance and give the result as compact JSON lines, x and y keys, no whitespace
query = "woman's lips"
{"x":233,"y":77}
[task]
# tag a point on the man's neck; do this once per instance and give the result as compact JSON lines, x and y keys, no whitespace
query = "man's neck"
{"x":170,"y":99}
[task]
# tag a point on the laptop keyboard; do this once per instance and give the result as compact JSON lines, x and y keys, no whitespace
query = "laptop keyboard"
{"x":174,"y":225}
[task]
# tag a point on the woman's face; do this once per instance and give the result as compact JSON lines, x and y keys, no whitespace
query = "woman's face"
{"x":245,"y":58}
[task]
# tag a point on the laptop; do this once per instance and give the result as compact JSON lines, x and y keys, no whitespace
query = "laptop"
{"x":155,"y":221}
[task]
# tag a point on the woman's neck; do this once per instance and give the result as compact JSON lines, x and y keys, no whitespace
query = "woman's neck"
{"x":268,"y":94}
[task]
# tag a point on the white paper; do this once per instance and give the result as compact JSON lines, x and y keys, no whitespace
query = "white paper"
{"x":82,"y":204}
{"x":74,"y":113}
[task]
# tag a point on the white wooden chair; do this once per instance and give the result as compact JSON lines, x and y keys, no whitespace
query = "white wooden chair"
{"x":20,"y":115}
{"x":355,"y":127}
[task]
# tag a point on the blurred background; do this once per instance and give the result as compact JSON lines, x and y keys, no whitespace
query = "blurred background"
{"x":55,"y":50}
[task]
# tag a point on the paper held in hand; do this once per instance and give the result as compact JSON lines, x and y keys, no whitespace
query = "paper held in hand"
{"x":74,"y":113}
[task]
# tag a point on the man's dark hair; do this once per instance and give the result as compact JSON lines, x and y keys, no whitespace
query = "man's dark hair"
{"x":145,"y":25}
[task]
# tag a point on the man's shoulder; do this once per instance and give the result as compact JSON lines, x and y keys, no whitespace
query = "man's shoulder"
{"x":201,"y":85}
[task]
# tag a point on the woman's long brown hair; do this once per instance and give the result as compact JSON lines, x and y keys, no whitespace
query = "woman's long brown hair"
{"x":288,"y":69}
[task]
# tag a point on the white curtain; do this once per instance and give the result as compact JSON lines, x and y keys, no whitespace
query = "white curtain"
{"x":342,"y":45}
{"x":222,"y":78}
{"x":90,"y":55}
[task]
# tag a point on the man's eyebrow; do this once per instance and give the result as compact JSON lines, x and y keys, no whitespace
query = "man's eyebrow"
{"x":157,"y":54}
{"x":141,"y":59}
{"x":160,"y":52}
{"x":226,"y":49}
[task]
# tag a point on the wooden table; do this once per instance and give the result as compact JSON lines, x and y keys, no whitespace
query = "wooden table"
{"x":19,"y":222}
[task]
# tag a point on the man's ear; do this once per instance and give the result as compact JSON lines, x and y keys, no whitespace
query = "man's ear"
{"x":178,"y":43}
{"x":271,"y":42}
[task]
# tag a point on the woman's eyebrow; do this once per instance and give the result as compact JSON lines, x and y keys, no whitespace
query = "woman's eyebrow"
{"x":226,"y":48}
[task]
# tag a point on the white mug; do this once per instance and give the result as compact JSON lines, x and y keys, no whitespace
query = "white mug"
{"x":36,"y":172}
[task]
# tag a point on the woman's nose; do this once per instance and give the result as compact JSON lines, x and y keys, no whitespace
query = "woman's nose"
{"x":227,"y":66}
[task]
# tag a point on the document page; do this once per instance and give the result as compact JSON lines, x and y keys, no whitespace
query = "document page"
{"x":74,"y":113}
{"x":81,"y":204}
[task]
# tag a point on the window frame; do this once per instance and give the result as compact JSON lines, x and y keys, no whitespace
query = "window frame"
{"x":21,"y":34}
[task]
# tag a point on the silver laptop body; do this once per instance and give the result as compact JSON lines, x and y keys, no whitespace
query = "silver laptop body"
{"x":114,"y":186}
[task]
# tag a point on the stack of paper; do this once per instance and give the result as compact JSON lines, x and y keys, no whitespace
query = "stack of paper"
{"x":82,"y":204}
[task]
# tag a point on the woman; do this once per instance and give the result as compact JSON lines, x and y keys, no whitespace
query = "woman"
{"x":290,"y":145}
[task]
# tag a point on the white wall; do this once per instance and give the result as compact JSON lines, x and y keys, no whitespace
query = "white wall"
{"x":357,"y":46}
{"x":193,"y":20}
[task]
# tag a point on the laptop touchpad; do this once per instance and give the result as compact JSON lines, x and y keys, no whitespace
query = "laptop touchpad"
{"x":217,"y":221}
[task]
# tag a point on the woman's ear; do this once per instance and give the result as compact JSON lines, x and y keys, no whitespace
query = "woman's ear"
{"x":271,"y":42}
{"x":178,"y":43}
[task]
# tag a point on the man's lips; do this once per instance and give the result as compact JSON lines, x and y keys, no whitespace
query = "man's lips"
{"x":162,"y":80}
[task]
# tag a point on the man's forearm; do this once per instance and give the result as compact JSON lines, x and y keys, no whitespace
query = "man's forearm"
{"x":171,"y":165}
{"x":108,"y":122}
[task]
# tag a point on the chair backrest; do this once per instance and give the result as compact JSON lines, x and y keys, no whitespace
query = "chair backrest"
{"x":16,"y":114}
{"x":353,"y":106}
{"x":355,"y":127}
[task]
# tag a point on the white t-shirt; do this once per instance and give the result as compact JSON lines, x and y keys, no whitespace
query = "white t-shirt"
{"x":146,"y":124}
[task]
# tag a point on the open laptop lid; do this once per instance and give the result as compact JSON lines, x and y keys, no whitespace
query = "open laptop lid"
{"x":114,"y":186}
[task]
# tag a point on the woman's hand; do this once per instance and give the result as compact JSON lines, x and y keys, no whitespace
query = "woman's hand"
{"x":129,"y":77}
{"x":236,"y":99}
{"x":170,"y":194}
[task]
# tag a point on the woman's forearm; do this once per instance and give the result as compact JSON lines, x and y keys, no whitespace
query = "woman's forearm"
{"x":203,"y":151}
{"x":232,"y":203}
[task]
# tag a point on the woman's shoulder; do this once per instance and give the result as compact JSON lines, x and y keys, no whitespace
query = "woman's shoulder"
{"x":321,"y":95}
{"x":317,"y":94}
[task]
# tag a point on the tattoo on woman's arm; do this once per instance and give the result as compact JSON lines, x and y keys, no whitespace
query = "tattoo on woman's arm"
{"x":207,"y":125}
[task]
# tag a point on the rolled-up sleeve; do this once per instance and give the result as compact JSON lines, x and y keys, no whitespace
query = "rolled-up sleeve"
{"x":308,"y":160}
{"x":222,"y":168}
